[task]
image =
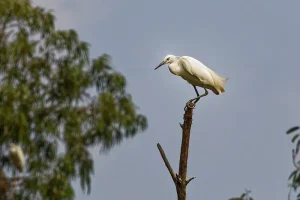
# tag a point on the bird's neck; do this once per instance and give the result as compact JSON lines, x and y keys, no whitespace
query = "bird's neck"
{"x":174,"y":69}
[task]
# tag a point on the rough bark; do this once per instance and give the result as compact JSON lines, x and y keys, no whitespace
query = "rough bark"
{"x":180,"y":180}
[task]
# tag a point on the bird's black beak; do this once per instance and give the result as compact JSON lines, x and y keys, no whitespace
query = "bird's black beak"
{"x":160,"y":64}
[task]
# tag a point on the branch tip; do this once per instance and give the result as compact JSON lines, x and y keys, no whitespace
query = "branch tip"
{"x":165,"y":159}
{"x":189,"y":180}
{"x":181,"y":125}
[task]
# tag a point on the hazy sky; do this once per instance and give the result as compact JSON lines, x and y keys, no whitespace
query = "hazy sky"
{"x":238,"y":139}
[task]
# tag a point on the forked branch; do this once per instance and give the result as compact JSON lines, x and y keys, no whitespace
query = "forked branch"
{"x":180,"y":179}
{"x":165,"y":159}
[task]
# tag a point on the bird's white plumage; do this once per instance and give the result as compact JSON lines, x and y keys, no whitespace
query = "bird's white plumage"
{"x":197,"y":69}
{"x":17,"y":156}
{"x":195,"y":72}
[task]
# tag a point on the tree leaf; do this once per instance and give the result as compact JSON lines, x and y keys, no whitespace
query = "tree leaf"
{"x":292,"y":174}
{"x":292,"y":129}
{"x":294,"y":138}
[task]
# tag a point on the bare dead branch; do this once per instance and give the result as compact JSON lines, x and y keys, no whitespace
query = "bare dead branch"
{"x":189,"y":180}
{"x":165,"y":159}
{"x":181,"y":125}
{"x":184,"y":153}
{"x":180,"y":178}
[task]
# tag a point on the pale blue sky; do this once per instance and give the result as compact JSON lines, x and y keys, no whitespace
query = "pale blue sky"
{"x":237,"y":139}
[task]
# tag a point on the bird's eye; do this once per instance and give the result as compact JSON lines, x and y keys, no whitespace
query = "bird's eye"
{"x":168,"y":58}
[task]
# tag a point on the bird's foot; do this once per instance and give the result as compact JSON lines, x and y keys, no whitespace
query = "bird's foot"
{"x":190,"y":104}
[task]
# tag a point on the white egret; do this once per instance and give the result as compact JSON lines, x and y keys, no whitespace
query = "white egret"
{"x":195,"y":73}
{"x":17,"y":156}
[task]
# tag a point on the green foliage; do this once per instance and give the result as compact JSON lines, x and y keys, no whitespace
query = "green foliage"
{"x":295,"y":137}
{"x":244,"y":196}
{"x":293,"y":129}
{"x":295,"y":175}
{"x":46,"y":106}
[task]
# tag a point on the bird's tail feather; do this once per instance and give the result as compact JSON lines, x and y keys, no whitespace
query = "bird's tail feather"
{"x":223,"y":80}
{"x":219,"y":82}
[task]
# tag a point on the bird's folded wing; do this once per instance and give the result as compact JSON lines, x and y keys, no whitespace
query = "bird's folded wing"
{"x":197,"y":69}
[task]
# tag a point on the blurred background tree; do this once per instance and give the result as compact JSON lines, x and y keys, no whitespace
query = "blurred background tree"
{"x":244,"y":196}
{"x":46,"y":105}
{"x":295,"y":175}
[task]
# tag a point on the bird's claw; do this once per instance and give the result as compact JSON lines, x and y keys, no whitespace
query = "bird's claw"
{"x":190,"y":104}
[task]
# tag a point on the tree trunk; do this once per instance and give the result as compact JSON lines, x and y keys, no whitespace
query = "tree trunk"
{"x":180,"y":179}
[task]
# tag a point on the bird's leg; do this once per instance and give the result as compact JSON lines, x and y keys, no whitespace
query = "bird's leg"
{"x":196,"y":91}
{"x":190,"y":102}
{"x":202,"y":95}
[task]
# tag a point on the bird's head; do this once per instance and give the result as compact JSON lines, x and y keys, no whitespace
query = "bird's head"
{"x":167,"y":60}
